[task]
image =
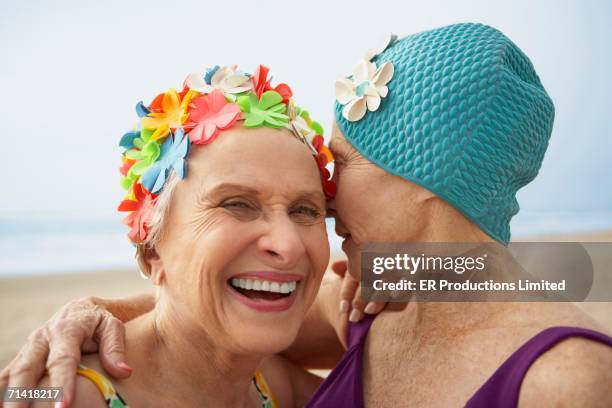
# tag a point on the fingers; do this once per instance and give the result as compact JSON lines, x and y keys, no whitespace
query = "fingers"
{"x":347,"y":292}
{"x":89,"y":346}
{"x":111,"y":339}
{"x":374,"y":307}
{"x":351,"y":296}
{"x":358,"y":305}
{"x":56,"y":348}
{"x":350,"y":293}
{"x":339,"y":267}
{"x":28,"y":367}
{"x":71,"y":328}
{"x":64,"y":357}
{"x":361,"y":308}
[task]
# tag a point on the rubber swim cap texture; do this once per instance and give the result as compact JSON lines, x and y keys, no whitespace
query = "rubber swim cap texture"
{"x":465,"y":117}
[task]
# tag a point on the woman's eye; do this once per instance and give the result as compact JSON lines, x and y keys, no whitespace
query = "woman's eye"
{"x":306,"y":211}
{"x":242,"y":210}
{"x":237,"y":205}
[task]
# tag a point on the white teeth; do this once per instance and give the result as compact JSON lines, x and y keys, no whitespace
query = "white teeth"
{"x":268,"y":286}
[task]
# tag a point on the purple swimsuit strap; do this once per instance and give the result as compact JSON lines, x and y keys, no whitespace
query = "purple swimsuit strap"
{"x":343,"y":387}
{"x":357,"y":332}
{"x":503,"y":387}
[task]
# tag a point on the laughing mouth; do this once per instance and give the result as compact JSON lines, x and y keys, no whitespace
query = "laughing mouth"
{"x":262,"y":289}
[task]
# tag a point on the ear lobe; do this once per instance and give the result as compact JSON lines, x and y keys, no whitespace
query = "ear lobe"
{"x":428,"y":195}
{"x":154,"y":264}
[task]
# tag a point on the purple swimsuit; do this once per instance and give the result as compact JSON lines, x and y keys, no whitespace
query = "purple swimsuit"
{"x":343,"y":386}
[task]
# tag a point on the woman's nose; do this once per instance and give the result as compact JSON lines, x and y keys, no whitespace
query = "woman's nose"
{"x":282,"y":244}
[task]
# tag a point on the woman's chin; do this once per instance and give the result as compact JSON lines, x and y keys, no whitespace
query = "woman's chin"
{"x":263,"y":322}
{"x":264,"y":342}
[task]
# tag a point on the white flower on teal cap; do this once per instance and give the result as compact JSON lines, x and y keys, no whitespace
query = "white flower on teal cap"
{"x":364,"y":89}
{"x":371,"y":53}
{"x":368,"y":84}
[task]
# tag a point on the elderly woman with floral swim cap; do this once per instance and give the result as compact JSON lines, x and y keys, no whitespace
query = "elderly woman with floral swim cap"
{"x":226,"y":190}
{"x":434,"y":134}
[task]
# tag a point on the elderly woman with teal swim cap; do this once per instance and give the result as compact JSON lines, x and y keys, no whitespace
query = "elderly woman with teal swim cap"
{"x":434,"y":134}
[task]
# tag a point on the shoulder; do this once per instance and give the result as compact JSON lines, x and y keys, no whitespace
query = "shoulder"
{"x":86,"y":394}
{"x":292,"y":385}
{"x":575,"y":372}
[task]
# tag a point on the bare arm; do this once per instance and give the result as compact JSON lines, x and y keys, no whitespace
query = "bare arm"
{"x":322,"y":341}
{"x":129,"y":308}
{"x":88,"y":324}
{"x":574,"y":373}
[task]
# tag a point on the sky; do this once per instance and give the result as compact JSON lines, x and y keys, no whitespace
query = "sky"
{"x":72,"y":72}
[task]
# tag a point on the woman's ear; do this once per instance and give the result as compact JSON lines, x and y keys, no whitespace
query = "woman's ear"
{"x":151,"y":264}
{"x":425,"y":195}
{"x":156,"y":266}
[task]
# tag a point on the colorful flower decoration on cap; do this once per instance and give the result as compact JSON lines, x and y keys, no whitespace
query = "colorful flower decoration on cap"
{"x":167,"y":111}
{"x":226,"y":79}
{"x":140,"y":207}
{"x":172,"y":156}
{"x":263,"y":84}
{"x":210,"y":114}
{"x":268,"y":109}
{"x":207,"y":105}
{"x":143,"y":153}
{"x":365,"y":88}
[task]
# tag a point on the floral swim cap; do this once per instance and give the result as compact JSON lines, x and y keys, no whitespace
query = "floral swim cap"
{"x":175,"y":121}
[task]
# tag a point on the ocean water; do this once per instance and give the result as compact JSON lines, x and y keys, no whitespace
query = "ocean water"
{"x":47,"y":245}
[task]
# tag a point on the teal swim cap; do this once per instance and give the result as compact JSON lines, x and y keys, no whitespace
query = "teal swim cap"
{"x":465,"y":116}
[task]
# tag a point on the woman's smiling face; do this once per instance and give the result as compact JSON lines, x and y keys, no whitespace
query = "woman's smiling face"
{"x":244,"y":246}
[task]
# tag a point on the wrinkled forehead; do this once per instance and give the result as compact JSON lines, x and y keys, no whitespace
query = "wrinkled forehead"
{"x":338,"y":144}
{"x":266,"y":160}
{"x":344,"y":151}
{"x":261,"y":147}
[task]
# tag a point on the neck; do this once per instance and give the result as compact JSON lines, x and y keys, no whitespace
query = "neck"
{"x":173,"y":354}
{"x":426,"y":320}
{"x":419,"y":323}
{"x":443,"y":223}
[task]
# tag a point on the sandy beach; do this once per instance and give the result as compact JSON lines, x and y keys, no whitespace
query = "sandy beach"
{"x":27,"y":302}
